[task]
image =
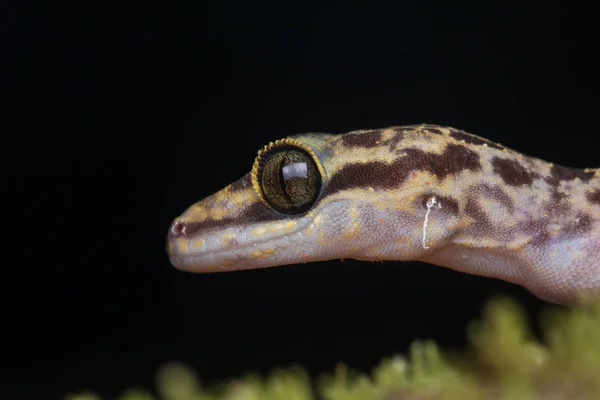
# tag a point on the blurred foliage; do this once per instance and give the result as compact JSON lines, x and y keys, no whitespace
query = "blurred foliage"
{"x":504,"y":361}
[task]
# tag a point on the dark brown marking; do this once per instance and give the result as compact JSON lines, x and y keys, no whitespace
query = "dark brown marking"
{"x":449,"y":204}
{"x":472,"y":139}
{"x":557,"y":201}
{"x":537,"y":230}
{"x":476,"y":194}
{"x":557,"y":197}
{"x":496,"y":193}
{"x":454,"y":159}
{"x":473,"y":210}
{"x":364,"y":139}
{"x":374,"y":173}
{"x":378,"y":174}
{"x":583,"y":224}
{"x":559,"y":173}
{"x":594,"y":197}
{"x":512,"y":172}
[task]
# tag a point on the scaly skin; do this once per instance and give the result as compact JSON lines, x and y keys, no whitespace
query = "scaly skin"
{"x":428,"y":193}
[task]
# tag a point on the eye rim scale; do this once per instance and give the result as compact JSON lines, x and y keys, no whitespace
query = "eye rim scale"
{"x":267,"y":154}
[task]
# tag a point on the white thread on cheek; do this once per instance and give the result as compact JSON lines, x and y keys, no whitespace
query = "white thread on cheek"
{"x":430,"y":204}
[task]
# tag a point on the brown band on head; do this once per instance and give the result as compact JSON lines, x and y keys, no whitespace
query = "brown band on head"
{"x":378,"y":174}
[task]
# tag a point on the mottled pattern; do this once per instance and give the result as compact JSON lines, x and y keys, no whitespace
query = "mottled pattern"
{"x":512,"y":172}
{"x":423,"y":192}
{"x":559,"y":173}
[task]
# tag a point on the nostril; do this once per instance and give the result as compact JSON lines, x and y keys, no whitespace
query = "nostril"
{"x":178,"y":229}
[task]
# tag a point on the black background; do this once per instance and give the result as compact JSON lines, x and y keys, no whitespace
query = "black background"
{"x":118,"y":118}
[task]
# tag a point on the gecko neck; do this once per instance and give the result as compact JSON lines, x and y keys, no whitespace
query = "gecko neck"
{"x":530,"y":234}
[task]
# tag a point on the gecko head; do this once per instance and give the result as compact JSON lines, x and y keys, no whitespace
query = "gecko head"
{"x":271,"y":216}
{"x":315,"y":197}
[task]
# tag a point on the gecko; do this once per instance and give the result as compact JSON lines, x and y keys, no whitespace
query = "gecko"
{"x":423,"y":192}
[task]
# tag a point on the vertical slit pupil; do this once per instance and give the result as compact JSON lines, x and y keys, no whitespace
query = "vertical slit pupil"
{"x":290,"y":181}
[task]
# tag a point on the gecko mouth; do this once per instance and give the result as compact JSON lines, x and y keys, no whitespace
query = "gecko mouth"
{"x":257,"y":246}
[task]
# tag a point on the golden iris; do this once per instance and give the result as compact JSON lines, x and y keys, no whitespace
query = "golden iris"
{"x":290,"y":181}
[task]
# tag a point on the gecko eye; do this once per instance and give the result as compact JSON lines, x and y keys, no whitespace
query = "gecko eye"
{"x":289,"y":180}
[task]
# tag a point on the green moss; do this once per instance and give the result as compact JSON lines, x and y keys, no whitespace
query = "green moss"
{"x":504,"y":361}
